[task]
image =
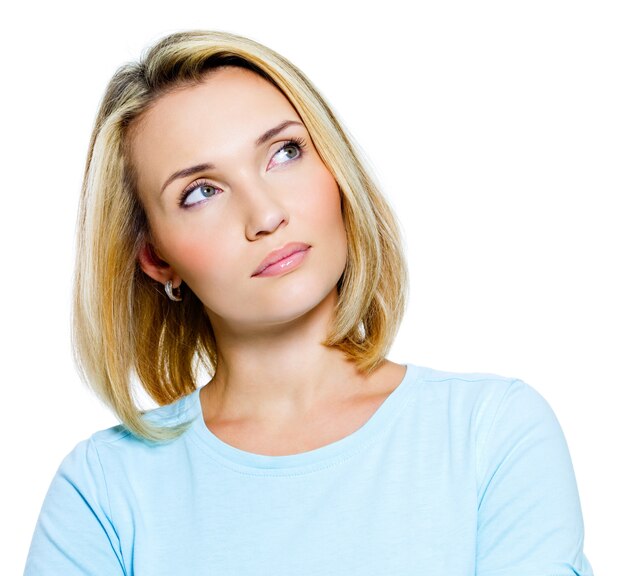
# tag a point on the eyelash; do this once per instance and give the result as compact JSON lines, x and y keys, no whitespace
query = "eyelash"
{"x":299,"y":143}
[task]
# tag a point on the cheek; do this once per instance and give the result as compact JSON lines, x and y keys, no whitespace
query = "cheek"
{"x":196,"y":254}
{"x":207,"y":269}
{"x":333,"y":224}
{"x":323,"y":206}
{"x":324,"y":216}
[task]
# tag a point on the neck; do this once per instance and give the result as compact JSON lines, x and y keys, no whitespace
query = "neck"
{"x":279,"y":373}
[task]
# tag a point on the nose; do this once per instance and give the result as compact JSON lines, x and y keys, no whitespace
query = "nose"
{"x":264,"y":213}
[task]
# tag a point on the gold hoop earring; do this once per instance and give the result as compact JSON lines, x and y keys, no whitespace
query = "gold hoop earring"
{"x":169,"y":290}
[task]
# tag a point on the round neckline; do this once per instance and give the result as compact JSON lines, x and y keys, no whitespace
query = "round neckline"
{"x":302,"y":462}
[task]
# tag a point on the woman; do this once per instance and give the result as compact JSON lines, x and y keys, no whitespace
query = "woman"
{"x":227,"y":222}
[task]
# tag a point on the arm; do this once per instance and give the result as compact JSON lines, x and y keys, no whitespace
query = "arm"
{"x":529,"y":517}
{"x":74,"y":532}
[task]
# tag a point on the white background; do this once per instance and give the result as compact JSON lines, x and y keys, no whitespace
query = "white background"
{"x":497,"y":130}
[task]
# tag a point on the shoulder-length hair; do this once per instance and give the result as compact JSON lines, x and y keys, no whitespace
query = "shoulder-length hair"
{"x":123,"y":325}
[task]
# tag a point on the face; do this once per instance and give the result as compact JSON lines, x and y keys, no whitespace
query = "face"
{"x":231,"y":182}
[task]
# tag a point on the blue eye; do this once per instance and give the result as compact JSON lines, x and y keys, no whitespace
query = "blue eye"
{"x":197,"y":192}
{"x":290,"y":151}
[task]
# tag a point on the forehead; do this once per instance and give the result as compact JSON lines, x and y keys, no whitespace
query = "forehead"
{"x":206,"y":122}
{"x":227,"y":96}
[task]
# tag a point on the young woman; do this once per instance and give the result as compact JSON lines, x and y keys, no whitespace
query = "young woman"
{"x":226,"y":221}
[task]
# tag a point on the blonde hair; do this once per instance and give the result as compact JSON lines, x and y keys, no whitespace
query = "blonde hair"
{"x":123,"y":325}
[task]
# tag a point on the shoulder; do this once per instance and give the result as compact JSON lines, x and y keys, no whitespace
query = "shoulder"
{"x":481,"y":393}
{"x":119,"y":444}
{"x":509,"y":426}
{"x":87,"y":503}
{"x":526,"y":493}
{"x":481,"y":404}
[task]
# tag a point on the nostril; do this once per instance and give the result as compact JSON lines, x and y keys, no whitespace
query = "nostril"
{"x":262,"y":225}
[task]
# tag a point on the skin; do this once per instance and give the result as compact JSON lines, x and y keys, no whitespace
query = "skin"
{"x":276,"y":389}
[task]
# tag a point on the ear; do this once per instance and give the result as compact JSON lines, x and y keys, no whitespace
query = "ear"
{"x":155,"y":267}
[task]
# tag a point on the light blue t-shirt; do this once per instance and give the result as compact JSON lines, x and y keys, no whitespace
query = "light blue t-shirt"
{"x":454,"y":474}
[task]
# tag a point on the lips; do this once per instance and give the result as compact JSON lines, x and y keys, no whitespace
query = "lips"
{"x":280,"y":254}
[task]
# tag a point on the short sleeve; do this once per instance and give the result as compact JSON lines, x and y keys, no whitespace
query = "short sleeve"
{"x":74,"y":533}
{"x":529,"y":516}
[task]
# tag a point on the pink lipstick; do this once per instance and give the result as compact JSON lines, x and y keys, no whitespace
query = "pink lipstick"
{"x":282,"y":260}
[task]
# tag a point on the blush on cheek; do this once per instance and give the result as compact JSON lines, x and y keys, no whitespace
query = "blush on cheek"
{"x":197,"y":261}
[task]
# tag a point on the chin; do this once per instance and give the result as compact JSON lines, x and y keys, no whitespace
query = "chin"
{"x":283,"y":309}
{"x":292,"y":307}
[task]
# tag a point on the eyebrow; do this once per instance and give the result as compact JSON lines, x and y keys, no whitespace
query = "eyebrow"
{"x":267,"y":135}
{"x":274,"y":131}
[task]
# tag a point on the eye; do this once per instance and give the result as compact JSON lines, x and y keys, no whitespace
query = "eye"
{"x":197,"y":192}
{"x":289,"y":151}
